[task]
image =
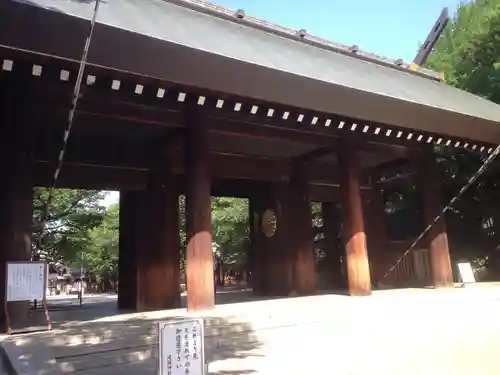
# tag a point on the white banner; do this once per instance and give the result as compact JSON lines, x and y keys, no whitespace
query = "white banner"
{"x":25,"y":281}
{"x":181,"y":350}
{"x":466,"y":273}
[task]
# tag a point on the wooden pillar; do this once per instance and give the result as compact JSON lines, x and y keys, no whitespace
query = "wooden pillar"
{"x":262,"y":247}
{"x":274,"y":257}
{"x":129,"y":245}
{"x":376,"y":234}
{"x":300,"y":234}
{"x":282,"y":254}
{"x":149,"y":262}
{"x":436,"y":238}
{"x":277,"y":257}
{"x":200,"y":271}
{"x":16,"y":195}
{"x":332,"y":247}
{"x":253,"y":267}
{"x":159,"y":255}
{"x":358,"y":268}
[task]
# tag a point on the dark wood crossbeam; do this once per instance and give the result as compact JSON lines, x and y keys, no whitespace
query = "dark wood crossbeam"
{"x":314,"y":155}
{"x":217,"y":106}
{"x":400,"y":168}
{"x":81,"y":176}
{"x":132,"y":155}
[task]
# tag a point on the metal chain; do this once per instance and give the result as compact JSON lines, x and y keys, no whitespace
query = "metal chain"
{"x":67,"y":132}
{"x":469,"y":183}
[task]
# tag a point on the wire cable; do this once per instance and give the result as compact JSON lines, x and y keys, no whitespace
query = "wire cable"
{"x":67,"y":132}
{"x":464,"y":188}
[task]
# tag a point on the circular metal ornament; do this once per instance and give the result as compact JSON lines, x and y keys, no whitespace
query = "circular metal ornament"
{"x":269,"y":223}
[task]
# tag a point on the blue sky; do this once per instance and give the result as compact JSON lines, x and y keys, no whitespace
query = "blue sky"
{"x":391,"y":28}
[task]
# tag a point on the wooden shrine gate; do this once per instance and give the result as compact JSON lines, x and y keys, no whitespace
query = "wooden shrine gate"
{"x":177,"y":101}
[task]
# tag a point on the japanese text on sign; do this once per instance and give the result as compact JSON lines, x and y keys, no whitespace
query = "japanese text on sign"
{"x":25,"y":281}
{"x":181,"y":348}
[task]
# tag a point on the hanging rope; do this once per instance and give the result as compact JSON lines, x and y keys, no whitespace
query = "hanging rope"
{"x":67,"y":132}
{"x":469,"y":183}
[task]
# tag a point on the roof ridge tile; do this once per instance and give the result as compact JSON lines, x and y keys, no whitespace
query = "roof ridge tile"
{"x":239,"y":16}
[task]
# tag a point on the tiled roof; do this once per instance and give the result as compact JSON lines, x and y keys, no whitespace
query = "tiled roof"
{"x":202,"y":45}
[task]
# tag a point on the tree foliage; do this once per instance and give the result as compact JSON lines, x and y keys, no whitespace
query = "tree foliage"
{"x":468,"y":53}
{"x":469,"y":50}
{"x":101,"y":255}
{"x":230,"y":228}
{"x":71,"y":214}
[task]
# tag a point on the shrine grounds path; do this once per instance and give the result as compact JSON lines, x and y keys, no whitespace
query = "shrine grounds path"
{"x":394,"y":332}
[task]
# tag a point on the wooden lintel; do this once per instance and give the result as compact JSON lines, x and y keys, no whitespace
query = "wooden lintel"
{"x":402,"y":168}
{"x":314,"y":155}
{"x":89,"y":177}
{"x":75,"y":176}
{"x":131,"y":155}
{"x":399,"y":178}
{"x":145,"y":116}
{"x":375,"y":133}
{"x":97,"y":107}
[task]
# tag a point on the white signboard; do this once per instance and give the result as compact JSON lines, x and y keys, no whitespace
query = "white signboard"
{"x":25,"y":281}
{"x":466,"y":273}
{"x":181,"y":350}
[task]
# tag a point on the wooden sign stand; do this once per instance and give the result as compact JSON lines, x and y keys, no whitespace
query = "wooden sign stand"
{"x":23,"y":284}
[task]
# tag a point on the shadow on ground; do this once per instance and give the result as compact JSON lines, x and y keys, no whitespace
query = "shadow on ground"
{"x":91,"y":311}
{"x":101,"y":340}
{"x":103,"y":343}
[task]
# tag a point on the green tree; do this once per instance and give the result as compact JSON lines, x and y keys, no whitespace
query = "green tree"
{"x":70,"y":216}
{"x":230,"y":226}
{"x":468,"y":53}
{"x":101,"y":255}
{"x":469,"y":50}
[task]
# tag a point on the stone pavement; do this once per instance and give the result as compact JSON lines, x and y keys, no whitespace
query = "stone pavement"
{"x":411,"y":332}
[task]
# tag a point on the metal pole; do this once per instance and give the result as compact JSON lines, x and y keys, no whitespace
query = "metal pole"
{"x":81,"y":279}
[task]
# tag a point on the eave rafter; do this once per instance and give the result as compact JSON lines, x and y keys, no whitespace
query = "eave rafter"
{"x":147,"y":100}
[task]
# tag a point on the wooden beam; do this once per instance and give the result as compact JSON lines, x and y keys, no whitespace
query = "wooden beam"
{"x":118,"y":107}
{"x":74,"y":176}
{"x":150,"y":116}
{"x":104,"y":152}
{"x":264,"y":169}
{"x":77,"y":176}
{"x":400,"y":168}
{"x":377,"y":132}
{"x":314,"y":155}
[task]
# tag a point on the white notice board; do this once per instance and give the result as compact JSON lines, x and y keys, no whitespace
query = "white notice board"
{"x":25,"y":281}
{"x":466,"y":273}
{"x":181,"y":349}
